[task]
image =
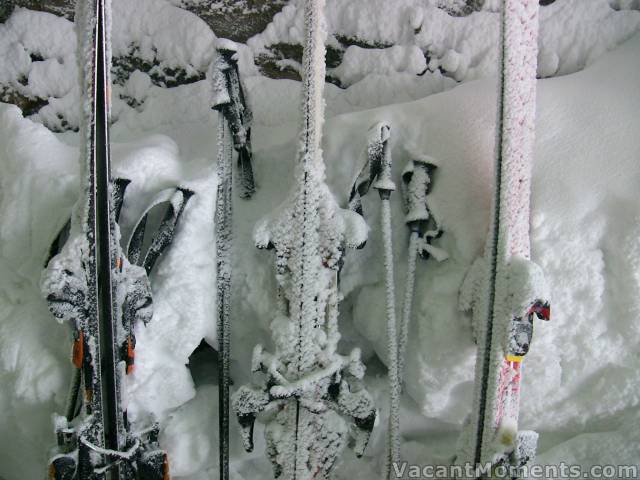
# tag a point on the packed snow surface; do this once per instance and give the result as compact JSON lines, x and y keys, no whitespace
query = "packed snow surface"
{"x":581,"y":383}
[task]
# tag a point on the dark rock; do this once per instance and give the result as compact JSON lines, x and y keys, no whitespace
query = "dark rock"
{"x":63,"y":8}
{"x":235,"y":20}
{"x":28,"y":105}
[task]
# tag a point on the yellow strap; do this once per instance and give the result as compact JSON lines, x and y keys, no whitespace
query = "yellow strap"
{"x":514,"y":358}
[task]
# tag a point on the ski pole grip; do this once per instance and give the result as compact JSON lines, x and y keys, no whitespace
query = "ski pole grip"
{"x":384,"y":184}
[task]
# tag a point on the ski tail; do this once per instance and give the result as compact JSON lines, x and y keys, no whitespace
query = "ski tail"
{"x":246,"y":182}
{"x":498,"y":370}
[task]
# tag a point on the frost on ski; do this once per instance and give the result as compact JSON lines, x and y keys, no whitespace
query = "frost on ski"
{"x":313,"y":393}
{"x":503,"y":288}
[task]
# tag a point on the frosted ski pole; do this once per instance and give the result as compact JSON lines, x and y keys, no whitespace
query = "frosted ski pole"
{"x":230,"y":99}
{"x":416,"y":180}
{"x":223,"y":237}
{"x":384,"y":184}
{"x":223,"y":285}
{"x":234,"y":131}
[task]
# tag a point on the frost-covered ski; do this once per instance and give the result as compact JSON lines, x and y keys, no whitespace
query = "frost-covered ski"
{"x":234,"y":128}
{"x":311,"y":392}
{"x":508,"y":287}
{"x":93,"y":286}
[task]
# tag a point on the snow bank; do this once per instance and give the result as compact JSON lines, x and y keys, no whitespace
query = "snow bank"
{"x":573,"y":33}
{"x":33,"y":351}
{"x":584,"y":231}
{"x":37,"y":49}
{"x":163,"y":32}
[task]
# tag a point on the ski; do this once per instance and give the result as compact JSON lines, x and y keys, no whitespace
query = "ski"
{"x":93,"y":286}
{"x":513,"y":290}
{"x":311,"y":392}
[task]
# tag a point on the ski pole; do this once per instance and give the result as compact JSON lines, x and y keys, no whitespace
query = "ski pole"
{"x":416,"y":180}
{"x":414,"y":241}
{"x":234,"y":131}
{"x":223,"y":235}
{"x":384,"y":184}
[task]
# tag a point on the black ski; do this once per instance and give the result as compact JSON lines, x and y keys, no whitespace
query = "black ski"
{"x":83,"y":287}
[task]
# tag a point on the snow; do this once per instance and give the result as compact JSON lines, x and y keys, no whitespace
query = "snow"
{"x":573,"y":34}
{"x":581,"y":375}
{"x":154,"y":35}
{"x":358,"y":63}
{"x":465,"y":48}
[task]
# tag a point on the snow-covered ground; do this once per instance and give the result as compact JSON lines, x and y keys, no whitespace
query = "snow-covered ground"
{"x":582,"y":384}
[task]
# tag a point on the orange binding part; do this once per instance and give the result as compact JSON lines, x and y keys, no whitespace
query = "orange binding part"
{"x":78,"y":350}
{"x":131,"y":354}
{"x":165,"y":468}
